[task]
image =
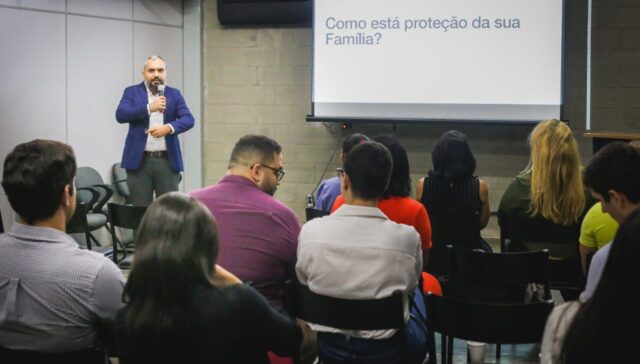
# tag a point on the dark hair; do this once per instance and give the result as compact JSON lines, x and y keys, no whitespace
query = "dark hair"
{"x":35,"y":175}
{"x":368,"y":166}
{"x":452,"y":157}
{"x":176,"y":250}
{"x":601,"y":325}
{"x":615,"y":167}
{"x":353,"y":140}
{"x":400,"y":182}
{"x":254,"y":149}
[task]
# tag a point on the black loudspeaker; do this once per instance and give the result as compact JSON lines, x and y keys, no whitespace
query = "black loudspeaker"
{"x":265,"y":12}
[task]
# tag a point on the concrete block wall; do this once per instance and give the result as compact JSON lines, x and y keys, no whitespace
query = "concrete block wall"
{"x":258,"y":80}
{"x":616,"y":65}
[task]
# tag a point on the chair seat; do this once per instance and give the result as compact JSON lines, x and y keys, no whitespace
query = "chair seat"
{"x":107,"y":251}
{"x":126,"y":262}
{"x":96,"y":221}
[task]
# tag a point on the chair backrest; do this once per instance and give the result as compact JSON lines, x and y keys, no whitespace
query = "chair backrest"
{"x":515,"y":323}
{"x":560,"y":240}
{"x":126,"y":216}
{"x":507,"y":272}
{"x":78,"y":223}
{"x":348,"y":314}
{"x":89,"y":356}
{"x":123,"y":216}
{"x":565,"y":267}
{"x":119,"y":176}
{"x":313,"y":213}
{"x":86,"y":177}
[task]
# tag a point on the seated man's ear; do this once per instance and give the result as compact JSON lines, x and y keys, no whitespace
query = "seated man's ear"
{"x":256,"y":172}
{"x":69,"y":193}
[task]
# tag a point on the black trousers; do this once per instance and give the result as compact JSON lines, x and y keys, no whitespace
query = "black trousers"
{"x":154,"y":175}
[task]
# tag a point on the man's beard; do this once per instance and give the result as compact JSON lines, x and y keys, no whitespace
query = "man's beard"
{"x":268,"y":189}
{"x":153,"y":85}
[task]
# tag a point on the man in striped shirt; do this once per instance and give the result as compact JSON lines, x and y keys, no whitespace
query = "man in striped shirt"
{"x":54,"y":297}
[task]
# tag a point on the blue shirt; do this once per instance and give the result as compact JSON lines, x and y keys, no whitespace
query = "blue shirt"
{"x":328,"y":191}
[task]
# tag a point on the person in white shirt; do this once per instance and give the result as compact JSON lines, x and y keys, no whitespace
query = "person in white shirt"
{"x":358,"y":253}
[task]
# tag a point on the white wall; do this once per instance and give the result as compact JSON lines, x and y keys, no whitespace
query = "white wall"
{"x":65,"y":63}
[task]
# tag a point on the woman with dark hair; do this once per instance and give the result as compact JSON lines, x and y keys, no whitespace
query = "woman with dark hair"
{"x":396,"y":203}
{"x":597,"y":331}
{"x":181,"y":307}
{"x":457,"y":201}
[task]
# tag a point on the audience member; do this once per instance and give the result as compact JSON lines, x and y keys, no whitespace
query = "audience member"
{"x":181,"y":307}
{"x":395,"y":202}
{"x":551,"y":186}
{"x":457,"y":201}
{"x":613,"y":177}
{"x":598,"y":330}
{"x":55,"y":297}
{"x":258,"y":234}
{"x":329,"y":189}
{"x":358,"y":253}
{"x":597,"y":230}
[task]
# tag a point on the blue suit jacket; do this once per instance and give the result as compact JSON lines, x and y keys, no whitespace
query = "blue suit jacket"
{"x":133,"y":110}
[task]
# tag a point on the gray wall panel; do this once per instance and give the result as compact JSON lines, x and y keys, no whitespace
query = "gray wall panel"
{"x":192,"y":146}
{"x":161,"y":40}
{"x":32,"y":99}
{"x":168,"y":12}
{"x":99,"y":61}
{"x":54,"y":5}
{"x":121,"y":9}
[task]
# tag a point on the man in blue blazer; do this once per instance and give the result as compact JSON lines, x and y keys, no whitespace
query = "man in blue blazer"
{"x":156,"y":115}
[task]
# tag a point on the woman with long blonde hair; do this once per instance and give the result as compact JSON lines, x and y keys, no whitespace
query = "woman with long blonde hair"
{"x":557,"y":192}
{"x":551,"y":186}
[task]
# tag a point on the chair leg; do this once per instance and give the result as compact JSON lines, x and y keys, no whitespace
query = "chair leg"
{"x":450,"y":350}
{"x":443,"y":349}
{"x":497,"y":352}
{"x":87,"y":238}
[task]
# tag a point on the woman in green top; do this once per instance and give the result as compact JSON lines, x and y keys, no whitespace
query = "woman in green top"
{"x":551,"y":185}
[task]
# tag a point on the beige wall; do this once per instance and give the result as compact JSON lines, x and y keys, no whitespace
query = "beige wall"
{"x":258,"y":80}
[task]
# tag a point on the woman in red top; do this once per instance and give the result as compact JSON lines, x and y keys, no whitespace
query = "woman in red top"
{"x":396,"y":203}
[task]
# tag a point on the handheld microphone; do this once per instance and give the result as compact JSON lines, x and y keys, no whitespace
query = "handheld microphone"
{"x":161,"y":94}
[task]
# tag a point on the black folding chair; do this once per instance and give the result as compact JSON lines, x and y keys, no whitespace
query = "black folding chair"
{"x":516,"y":323}
{"x":313,"y":213}
{"x":89,"y":356}
{"x":126,"y":217}
{"x":79,"y":225}
{"x":519,"y":233}
{"x":482,"y":277}
{"x":351,"y":314}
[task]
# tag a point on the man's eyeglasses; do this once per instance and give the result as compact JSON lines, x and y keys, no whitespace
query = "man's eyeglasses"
{"x":340,"y":171}
{"x":279,"y":172}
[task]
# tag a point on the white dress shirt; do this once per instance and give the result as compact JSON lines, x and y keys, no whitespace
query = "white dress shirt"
{"x":155,"y":119}
{"x":358,"y":253}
